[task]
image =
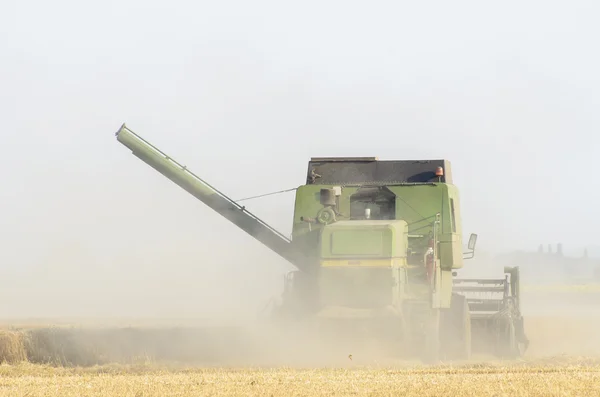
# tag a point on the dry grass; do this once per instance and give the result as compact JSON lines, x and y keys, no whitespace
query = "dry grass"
{"x":68,"y":361}
{"x":570,"y":378}
{"x":89,"y":346}
{"x":85,"y":347}
{"x":12,"y":347}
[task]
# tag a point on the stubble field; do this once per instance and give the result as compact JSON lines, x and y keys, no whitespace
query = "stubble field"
{"x":563,"y":360}
{"x":578,"y":378}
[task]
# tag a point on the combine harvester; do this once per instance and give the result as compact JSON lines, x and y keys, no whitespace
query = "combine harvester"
{"x":376,"y":245}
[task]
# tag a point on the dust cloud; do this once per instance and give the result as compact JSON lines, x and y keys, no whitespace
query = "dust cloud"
{"x":132,"y":249}
{"x":90,"y":235}
{"x":159,"y":260}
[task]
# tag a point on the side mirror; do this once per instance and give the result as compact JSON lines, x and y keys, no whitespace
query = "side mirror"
{"x":471,"y":247}
{"x":472,"y":242}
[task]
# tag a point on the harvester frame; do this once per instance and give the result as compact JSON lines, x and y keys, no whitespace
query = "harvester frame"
{"x":497,"y":319}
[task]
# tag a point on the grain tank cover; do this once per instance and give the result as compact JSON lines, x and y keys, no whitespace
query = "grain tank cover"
{"x":370,"y":170}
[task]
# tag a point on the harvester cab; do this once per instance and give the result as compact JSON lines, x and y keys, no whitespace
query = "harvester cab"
{"x":375,"y":244}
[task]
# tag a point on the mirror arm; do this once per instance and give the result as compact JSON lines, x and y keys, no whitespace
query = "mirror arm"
{"x":470,"y":253}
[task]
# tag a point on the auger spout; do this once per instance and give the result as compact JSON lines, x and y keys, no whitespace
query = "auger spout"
{"x":210,"y":196}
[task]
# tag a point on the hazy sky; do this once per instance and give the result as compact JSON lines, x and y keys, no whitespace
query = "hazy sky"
{"x":244,"y":93}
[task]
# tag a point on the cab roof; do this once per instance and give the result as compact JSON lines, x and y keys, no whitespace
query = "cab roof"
{"x":370,"y":170}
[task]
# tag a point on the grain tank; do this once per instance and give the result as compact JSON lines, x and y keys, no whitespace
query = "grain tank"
{"x":375,"y":243}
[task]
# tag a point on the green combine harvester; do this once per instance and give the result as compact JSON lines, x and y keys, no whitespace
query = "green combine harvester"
{"x":376,"y":245}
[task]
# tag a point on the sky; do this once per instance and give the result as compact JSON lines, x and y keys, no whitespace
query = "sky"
{"x":244,"y":93}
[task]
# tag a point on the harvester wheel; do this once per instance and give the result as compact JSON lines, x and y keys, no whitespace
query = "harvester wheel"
{"x":457,"y":329}
{"x":511,"y":347}
{"x":463,"y":341}
{"x":513,"y":341}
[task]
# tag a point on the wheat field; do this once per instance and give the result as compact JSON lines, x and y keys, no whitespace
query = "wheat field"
{"x":554,"y":378}
{"x":142,"y":361}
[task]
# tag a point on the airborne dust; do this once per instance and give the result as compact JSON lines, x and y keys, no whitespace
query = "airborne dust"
{"x":123,"y":246}
{"x":128,"y":248}
{"x":244,"y":96}
{"x":197,"y":299}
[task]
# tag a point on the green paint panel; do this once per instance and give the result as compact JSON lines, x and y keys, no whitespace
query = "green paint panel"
{"x":364,"y":239}
{"x":360,"y":242}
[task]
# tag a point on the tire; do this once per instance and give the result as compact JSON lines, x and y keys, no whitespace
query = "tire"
{"x":463,"y":342}
{"x":512,"y":349}
{"x":457,"y":340}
